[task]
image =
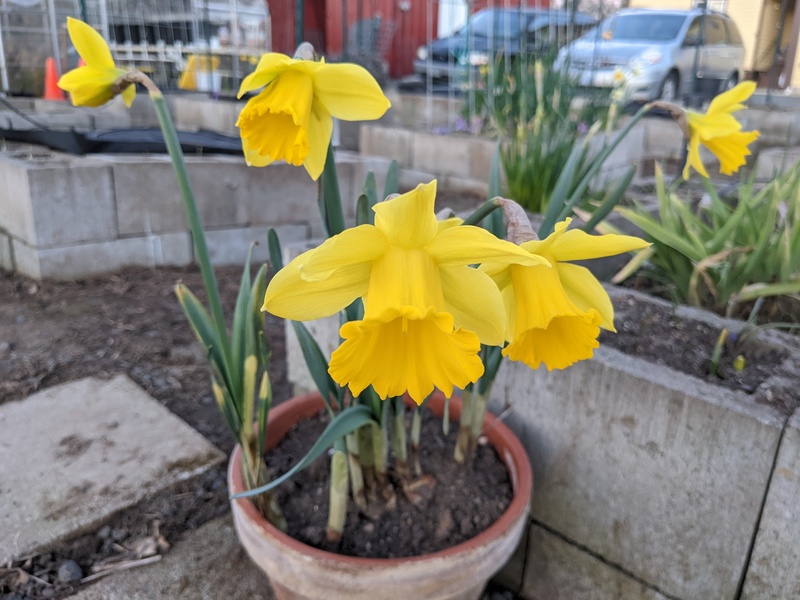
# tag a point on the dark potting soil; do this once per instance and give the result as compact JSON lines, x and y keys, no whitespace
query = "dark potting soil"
{"x":462,"y":502}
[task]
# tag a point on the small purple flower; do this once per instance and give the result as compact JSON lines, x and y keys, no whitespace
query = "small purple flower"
{"x":583,"y":128}
{"x":461,"y":124}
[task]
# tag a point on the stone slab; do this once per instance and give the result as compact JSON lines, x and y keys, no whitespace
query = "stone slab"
{"x":74,"y":454}
{"x":774,"y":570}
{"x":648,"y":468}
{"x":6,"y":253}
{"x":16,"y":210}
{"x":445,"y":155}
{"x":391,"y":143}
{"x":558,"y":570}
{"x":284,"y":195}
{"x":209,"y":564}
{"x":775,"y":160}
{"x":72,"y":262}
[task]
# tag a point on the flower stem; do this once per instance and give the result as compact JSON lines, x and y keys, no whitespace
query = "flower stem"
{"x":462,"y":441}
{"x":337,"y":513}
{"x":356,"y":474}
{"x":416,"y":432}
{"x":400,"y":438}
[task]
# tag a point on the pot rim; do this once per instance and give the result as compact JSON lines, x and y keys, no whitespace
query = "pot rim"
{"x":504,"y":441}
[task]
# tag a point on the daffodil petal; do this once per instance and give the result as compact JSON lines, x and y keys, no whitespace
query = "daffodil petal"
{"x":348,"y":91}
{"x":88,"y":86}
{"x":469,"y":245}
{"x":579,"y":245}
{"x":252,"y":157}
{"x":128,"y":95}
{"x":731,"y":100}
{"x":269,"y":67}
{"x":587,"y":293}
{"x":408,"y":220}
{"x":320,"y":127}
{"x":731,"y":150}
{"x":90,"y":45}
{"x":565,"y":341}
{"x":693,"y":158}
{"x":400,"y":353}
{"x":475,"y":302}
{"x":710,"y":126}
{"x":361,"y":244}
{"x":291,"y":297}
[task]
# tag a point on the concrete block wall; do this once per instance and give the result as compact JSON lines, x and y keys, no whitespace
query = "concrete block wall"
{"x":70,"y":216}
{"x":648,"y":483}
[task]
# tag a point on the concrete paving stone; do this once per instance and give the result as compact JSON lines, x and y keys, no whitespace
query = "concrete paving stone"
{"x":649,"y":468}
{"x":774,"y":570}
{"x":74,"y":454}
{"x":209,"y":564}
{"x":229,"y":246}
{"x":558,"y":570}
{"x":72,"y":262}
{"x":446,"y":155}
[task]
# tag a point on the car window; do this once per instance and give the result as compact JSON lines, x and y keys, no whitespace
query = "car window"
{"x":733,"y":33}
{"x":642,"y":27}
{"x":715,"y":31}
{"x":496,"y":23}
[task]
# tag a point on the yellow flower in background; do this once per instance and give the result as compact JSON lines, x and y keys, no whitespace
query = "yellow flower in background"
{"x":555,"y":314}
{"x":291,"y":118}
{"x":92,"y":84}
{"x":426,"y":311}
{"x":720,"y":132}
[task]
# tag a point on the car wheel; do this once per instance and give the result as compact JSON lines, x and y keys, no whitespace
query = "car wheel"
{"x":669,"y":88}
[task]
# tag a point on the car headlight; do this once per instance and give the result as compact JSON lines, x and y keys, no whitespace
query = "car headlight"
{"x":645,"y":59}
{"x":478,"y":59}
{"x":422,"y":53}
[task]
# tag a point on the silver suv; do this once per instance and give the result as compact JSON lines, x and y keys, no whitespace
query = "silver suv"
{"x":657,"y":51}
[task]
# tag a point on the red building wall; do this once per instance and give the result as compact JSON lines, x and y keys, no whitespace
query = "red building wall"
{"x":406,"y":25}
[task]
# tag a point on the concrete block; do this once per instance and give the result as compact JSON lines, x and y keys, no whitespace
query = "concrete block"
{"x":409,"y":179}
{"x":229,"y":246}
{"x":773,"y":161}
{"x":198,"y":111}
{"x":16,"y":210}
{"x":448,"y":155}
{"x":149,"y":201}
{"x":76,"y":453}
{"x":73,"y":262}
{"x":388,"y":142}
{"x":646,"y":467}
{"x":72,"y":203}
{"x":481,"y":153}
{"x":326,"y":333}
{"x":774,"y":570}
{"x":6,"y":253}
{"x":777,"y":128}
{"x":558,"y":570}
{"x":662,"y":138}
{"x":209,"y":564}
{"x":283,"y":194}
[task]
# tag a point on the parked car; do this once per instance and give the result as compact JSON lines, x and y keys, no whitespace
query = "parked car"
{"x":657,"y":52}
{"x":513,"y":31}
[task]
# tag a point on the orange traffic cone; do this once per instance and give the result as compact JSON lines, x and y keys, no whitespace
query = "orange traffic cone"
{"x":51,"y":89}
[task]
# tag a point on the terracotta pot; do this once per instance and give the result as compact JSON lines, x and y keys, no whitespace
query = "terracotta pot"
{"x":300,"y":572}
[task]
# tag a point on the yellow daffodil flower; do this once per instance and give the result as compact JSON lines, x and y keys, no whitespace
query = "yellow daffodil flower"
{"x":720,"y":132}
{"x":555,"y":314}
{"x":92,"y":84}
{"x":291,"y":118}
{"x":426,"y":311}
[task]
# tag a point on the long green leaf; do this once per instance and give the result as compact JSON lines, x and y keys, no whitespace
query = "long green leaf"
{"x":275,"y":254}
{"x":370,"y":188}
{"x":392,"y":184}
{"x":345,"y":422}
{"x":613,"y":197}
{"x":317,"y":365}
{"x":656,"y":231}
{"x":330,"y":199}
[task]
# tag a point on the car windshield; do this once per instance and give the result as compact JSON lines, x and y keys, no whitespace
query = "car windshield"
{"x":641,"y":27}
{"x":495,"y":23}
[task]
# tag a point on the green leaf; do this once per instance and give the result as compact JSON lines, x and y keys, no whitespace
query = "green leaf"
{"x":344,"y":423}
{"x":370,"y":189}
{"x":495,"y":188}
{"x":612,"y":198}
{"x":317,"y":365}
{"x":760,"y":290}
{"x":364,"y":214}
{"x":330,"y":199}
{"x":660,"y":233}
{"x":392,"y":184}
{"x":275,"y":255}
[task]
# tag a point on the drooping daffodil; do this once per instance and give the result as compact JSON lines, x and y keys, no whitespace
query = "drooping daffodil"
{"x":555,"y":314}
{"x":720,"y":132}
{"x":291,"y":118}
{"x":93,"y":83}
{"x":426,"y":311}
